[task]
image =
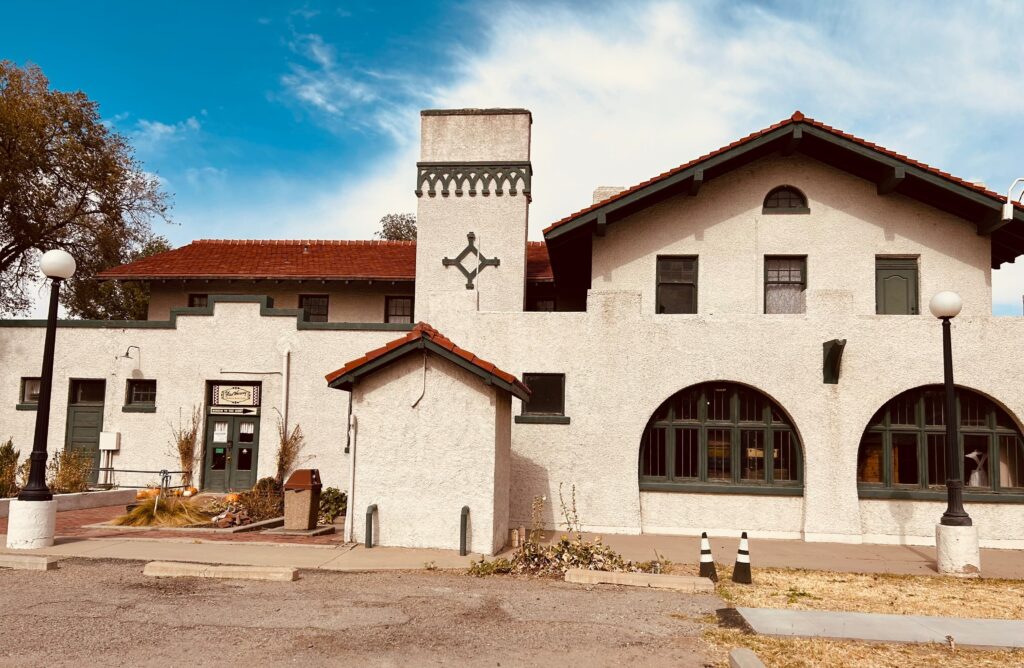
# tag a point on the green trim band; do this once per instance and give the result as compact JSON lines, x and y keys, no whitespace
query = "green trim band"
{"x":267,"y":310}
{"x":724,"y":488}
{"x":938,"y":495}
{"x":542,"y":419}
{"x":26,"y":407}
{"x":138,"y":408}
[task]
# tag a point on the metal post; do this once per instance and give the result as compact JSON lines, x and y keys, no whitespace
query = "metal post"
{"x":36,"y":489}
{"x":369,"y":524}
{"x":955,"y":514}
{"x":463,"y":521}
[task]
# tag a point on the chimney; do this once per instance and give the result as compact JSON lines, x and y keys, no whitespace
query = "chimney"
{"x":601,"y":193}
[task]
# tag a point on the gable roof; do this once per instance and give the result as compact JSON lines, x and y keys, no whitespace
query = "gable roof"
{"x":425,"y":337}
{"x":892,"y":171}
{"x":296,"y":260}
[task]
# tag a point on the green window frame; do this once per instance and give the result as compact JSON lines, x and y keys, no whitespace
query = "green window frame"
{"x":546,"y":404}
{"x":721,"y":437}
{"x":198,"y":300}
{"x":902,"y":452}
{"x":677,"y":290}
{"x":784,"y":272}
{"x":399,"y":309}
{"x":28,"y":393}
{"x":140,"y":392}
{"x":785,"y":200}
{"x":314,"y":307}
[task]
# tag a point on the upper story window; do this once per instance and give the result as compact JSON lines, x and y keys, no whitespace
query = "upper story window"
{"x":398,"y":309}
{"x":547,"y":399}
{"x":677,"y":284}
{"x":896,"y":285}
{"x":785,"y":200}
{"x":314,"y":307}
{"x":785,"y":284}
{"x":201,"y":301}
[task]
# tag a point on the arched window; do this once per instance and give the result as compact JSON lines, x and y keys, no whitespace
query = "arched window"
{"x":786,"y":200}
{"x":903,"y":450}
{"x":721,"y":437}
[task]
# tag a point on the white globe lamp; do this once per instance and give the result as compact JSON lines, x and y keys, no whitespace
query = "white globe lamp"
{"x":58,"y":264}
{"x":946,"y":304}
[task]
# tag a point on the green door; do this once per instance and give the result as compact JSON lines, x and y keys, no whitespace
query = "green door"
{"x":85,"y":421}
{"x":896,"y":286}
{"x":232,"y":446}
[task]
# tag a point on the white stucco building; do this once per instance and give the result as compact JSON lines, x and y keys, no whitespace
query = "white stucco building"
{"x":741,"y":343}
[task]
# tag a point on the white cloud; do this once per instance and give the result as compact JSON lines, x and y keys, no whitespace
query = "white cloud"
{"x":150,"y":137}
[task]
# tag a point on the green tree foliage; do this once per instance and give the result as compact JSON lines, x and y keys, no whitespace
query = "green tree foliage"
{"x":113,"y":300}
{"x":398,"y":227}
{"x":68,"y":181}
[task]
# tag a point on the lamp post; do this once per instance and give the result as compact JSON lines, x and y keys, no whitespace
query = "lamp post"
{"x":33,"y":514}
{"x":956,"y":539}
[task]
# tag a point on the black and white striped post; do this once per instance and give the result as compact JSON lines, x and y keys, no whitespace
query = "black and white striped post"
{"x":741,"y":571}
{"x":707,"y":562}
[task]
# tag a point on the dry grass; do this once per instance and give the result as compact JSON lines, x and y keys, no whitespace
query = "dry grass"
{"x":821,"y":653}
{"x":184,"y":440}
{"x":289,"y":450}
{"x":889,"y":594}
{"x":165,"y":512}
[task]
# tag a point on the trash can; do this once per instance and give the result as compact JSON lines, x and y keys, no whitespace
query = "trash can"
{"x":302,"y":500}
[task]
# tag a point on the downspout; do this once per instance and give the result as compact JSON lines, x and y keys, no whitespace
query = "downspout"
{"x":349,"y":512}
{"x":286,"y":362}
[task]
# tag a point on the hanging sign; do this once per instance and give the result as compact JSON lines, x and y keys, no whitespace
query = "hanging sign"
{"x":235,"y":400}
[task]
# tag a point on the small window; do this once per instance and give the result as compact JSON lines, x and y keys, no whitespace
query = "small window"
{"x":677,"y":285}
{"x":785,"y":200}
{"x":895,"y":285}
{"x":398,"y":309}
{"x":88,"y":391}
{"x":785,"y":284}
{"x":141,"y":393}
{"x":547,"y":394}
{"x":199,"y":301}
{"x":314,"y":307}
{"x":30,"y":388}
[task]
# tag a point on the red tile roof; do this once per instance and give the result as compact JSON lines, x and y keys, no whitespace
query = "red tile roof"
{"x":797,"y":117}
{"x":296,"y":259}
{"x":423,"y":331}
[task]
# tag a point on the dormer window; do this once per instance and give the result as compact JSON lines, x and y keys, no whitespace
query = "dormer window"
{"x":785,"y":200}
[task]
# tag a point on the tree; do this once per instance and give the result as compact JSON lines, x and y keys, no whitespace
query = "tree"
{"x":112,"y":300}
{"x":67,"y":181}
{"x":397,"y":227}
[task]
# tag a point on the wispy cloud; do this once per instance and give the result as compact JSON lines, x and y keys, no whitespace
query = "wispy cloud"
{"x":151,"y":137}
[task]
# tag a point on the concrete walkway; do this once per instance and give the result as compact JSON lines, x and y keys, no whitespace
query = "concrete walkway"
{"x":987,"y":633}
{"x":322,"y":557}
{"x":865,"y":558}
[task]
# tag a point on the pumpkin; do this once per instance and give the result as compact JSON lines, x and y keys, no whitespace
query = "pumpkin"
{"x":231,"y":498}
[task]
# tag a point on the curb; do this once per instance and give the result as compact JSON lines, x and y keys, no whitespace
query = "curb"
{"x":178,"y":569}
{"x":28,"y":562}
{"x":684,"y":583}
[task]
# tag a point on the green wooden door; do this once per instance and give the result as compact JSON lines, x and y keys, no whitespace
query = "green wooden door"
{"x":896,"y":286}
{"x":232,"y":446}
{"x":85,"y":421}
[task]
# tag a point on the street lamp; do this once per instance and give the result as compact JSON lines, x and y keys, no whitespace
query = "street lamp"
{"x":956,"y":540}
{"x":32,"y":515}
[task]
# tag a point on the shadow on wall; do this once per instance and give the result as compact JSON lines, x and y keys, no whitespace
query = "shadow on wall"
{"x":529,"y":480}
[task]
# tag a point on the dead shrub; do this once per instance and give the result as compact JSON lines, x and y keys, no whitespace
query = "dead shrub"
{"x":68,"y":472}
{"x":262,"y":505}
{"x":184,"y":444}
{"x":8,"y":469}
{"x":289,"y":450}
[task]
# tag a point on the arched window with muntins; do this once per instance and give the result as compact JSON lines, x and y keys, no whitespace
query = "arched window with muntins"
{"x":721,"y":437}
{"x":902,"y":452}
{"x":785,"y":200}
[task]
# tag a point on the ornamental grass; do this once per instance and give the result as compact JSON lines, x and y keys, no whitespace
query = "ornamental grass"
{"x":163,"y":512}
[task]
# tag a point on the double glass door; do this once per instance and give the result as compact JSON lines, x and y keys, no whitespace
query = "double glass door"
{"x":232,"y":446}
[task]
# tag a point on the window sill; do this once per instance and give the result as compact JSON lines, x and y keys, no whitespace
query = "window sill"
{"x":26,"y":407}
{"x":785,"y":212}
{"x":923,"y":495}
{"x":542,"y":419}
{"x":138,"y":409}
{"x":724,"y":488}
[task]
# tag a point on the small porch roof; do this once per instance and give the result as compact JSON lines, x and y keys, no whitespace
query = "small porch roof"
{"x":425,"y":337}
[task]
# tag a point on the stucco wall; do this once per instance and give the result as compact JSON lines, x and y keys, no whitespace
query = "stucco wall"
{"x":421,"y":464}
{"x":347,"y":303}
{"x":235,"y":344}
{"x":849,"y":224}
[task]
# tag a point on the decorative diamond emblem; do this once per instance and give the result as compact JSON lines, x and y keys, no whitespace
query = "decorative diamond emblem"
{"x":482,"y":261}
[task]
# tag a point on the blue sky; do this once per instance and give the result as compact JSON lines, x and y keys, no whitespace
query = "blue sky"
{"x":296,"y":120}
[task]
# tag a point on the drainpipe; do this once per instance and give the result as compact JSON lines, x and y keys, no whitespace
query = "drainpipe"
{"x":350,"y":523}
{"x":286,"y":361}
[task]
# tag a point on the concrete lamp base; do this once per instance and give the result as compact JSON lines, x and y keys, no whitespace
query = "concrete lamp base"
{"x":31,"y":524}
{"x":956,"y":550}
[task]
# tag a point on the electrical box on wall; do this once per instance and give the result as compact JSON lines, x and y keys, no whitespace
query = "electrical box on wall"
{"x":110,"y":440}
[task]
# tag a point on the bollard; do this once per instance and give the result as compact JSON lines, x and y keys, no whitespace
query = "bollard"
{"x":741,"y":571}
{"x":707,"y":562}
{"x":369,"y":524}
{"x":464,"y":520}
